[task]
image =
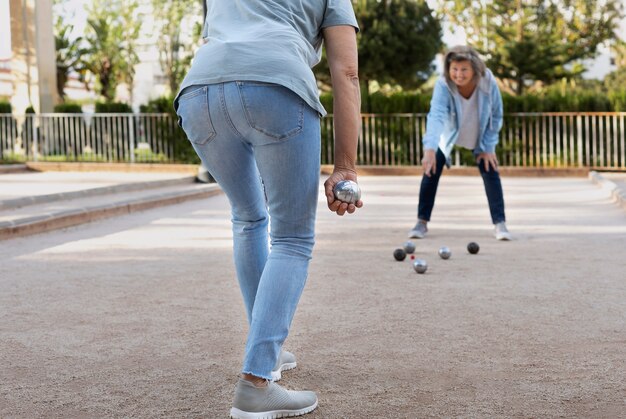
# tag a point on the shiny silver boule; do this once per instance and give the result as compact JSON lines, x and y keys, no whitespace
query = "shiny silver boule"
{"x":445,"y":252}
{"x":347,"y":191}
{"x":420,"y":266}
{"x":409,"y":247}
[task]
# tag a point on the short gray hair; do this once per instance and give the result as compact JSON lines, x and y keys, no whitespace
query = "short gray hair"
{"x":464,"y":53}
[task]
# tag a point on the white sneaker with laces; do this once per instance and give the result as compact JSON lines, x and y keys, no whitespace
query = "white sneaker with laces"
{"x":501,"y":232}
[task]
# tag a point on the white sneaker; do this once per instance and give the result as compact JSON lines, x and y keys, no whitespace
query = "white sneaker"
{"x":419,"y":231}
{"x":501,"y":231}
{"x":286,"y":361}
{"x":270,"y":402}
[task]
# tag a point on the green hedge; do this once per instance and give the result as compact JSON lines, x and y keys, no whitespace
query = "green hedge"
{"x":551,"y":100}
{"x":164,"y":104}
{"x":5,"y":107}
{"x":113,"y":107}
{"x":68,"y":108}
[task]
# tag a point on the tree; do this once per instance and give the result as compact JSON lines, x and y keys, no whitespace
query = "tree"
{"x":130,"y":26}
{"x":68,"y":53}
{"x":397,"y":42}
{"x":110,"y":37}
{"x":526,"y":41}
{"x":174,"y":53}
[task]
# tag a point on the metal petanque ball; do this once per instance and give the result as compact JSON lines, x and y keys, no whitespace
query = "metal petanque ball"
{"x":420,"y":266}
{"x":347,"y":191}
{"x":473,"y":247}
{"x":445,"y":252}
{"x":399,"y":254}
{"x":409,"y":247}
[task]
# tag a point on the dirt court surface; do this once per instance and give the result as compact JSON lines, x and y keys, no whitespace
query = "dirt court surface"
{"x":140,"y":316}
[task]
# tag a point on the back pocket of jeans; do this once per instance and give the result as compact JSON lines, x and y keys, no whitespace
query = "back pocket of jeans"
{"x":271,"y":109}
{"x":194,"y":118}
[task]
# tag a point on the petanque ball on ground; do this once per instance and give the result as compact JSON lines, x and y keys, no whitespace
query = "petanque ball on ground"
{"x":420,"y":266}
{"x":409,"y":247}
{"x":444,"y":252}
{"x":473,"y":247}
{"x":399,"y":254}
{"x":347,"y":191}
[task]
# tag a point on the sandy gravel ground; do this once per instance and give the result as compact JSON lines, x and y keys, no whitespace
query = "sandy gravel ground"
{"x":140,"y":316}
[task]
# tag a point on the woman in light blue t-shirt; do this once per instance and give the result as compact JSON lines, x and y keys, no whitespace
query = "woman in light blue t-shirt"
{"x":250,"y":107}
{"x":465,"y":110}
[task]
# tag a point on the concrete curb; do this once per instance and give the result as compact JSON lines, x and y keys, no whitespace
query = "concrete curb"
{"x":618,"y":195}
{"x":85,"y":193}
{"x":191,"y":169}
{"x":13,"y":168}
{"x":67,"y":218}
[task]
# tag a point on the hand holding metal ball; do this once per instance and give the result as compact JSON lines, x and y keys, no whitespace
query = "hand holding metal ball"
{"x":347,"y":191}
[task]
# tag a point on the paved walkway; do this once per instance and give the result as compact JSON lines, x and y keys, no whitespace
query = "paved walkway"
{"x":33,"y":202}
{"x":140,"y":315}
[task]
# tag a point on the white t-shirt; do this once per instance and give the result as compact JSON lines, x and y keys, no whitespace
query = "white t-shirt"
{"x":272,"y":41}
{"x":468,"y":128}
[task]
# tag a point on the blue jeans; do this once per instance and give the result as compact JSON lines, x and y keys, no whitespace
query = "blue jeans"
{"x":493,"y":188}
{"x":261,"y":143}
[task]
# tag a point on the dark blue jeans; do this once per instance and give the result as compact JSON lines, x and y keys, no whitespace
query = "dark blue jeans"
{"x":493,"y":188}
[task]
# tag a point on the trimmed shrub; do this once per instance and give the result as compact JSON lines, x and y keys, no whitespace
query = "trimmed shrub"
{"x":68,"y":108}
{"x":163,"y":104}
{"x":618,"y":100}
{"x":113,"y":107}
{"x":5,"y":107}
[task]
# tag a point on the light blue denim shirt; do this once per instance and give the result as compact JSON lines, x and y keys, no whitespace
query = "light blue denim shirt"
{"x":276,"y":41}
{"x":442,"y":124}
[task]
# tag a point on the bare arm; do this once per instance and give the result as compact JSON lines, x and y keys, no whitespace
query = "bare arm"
{"x":341,"y":51}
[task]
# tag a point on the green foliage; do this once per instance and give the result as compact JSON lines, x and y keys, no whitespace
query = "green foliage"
{"x":176,"y":51}
{"x":402,"y":102}
{"x":68,"y":108}
{"x":5,"y":107}
{"x":183,"y":150}
{"x":553,"y":99}
{"x":113,"y":107}
{"x":69,"y":53}
{"x":535,"y":40}
{"x":111,"y":36}
{"x":130,"y":26}
{"x":83,"y":157}
{"x":148,"y":156}
{"x":618,"y":100}
{"x":398,"y":41}
{"x":615,"y":80}
{"x":163,"y":104}
{"x":12,"y":157}
{"x":30,"y":110}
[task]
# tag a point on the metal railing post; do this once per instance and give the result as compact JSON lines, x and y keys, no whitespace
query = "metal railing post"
{"x":131,"y":127}
{"x":35,"y":145}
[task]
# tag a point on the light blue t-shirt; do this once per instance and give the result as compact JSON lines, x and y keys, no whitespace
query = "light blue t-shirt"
{"x":273,"y":41}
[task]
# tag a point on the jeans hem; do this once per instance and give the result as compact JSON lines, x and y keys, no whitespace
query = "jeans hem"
{"x":266,"y":377}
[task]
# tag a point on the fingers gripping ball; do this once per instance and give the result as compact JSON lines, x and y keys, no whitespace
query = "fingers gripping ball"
{"x":347,"y":191}
{"x":473,"y":247}
{"x":399,"y":254}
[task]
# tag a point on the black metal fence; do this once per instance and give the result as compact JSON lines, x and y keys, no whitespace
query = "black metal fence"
{"x":589,"y":139}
